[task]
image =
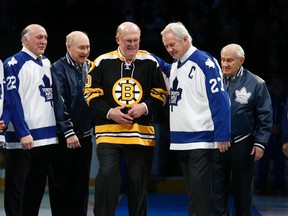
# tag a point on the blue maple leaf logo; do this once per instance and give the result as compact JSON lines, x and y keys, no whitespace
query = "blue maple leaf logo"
{"x":46,"y":89}
{"x":175,"y":94}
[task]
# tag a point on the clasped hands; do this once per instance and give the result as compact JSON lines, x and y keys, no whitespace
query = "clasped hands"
{"x":135,"y":111}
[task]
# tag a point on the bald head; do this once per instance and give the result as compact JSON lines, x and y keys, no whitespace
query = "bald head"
{"x":31,"y":29}
{"x":78,"y":46}
{"x":34,"y":38}
{"x":127,"y":27}
{"x":128,"y":38}
{"x":75,"y":36}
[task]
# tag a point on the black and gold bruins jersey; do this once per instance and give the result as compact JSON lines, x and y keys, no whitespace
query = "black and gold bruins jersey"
{"x":113,"y":82}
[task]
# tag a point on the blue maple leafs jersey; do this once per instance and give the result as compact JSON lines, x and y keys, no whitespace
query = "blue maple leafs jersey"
{"x":199,"y":103}
{"x":29,"y":93}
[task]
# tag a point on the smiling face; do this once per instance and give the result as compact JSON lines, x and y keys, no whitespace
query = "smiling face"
{"x":78,"y":46}
{"x":128,"y":39}
{"x":35,"y":39}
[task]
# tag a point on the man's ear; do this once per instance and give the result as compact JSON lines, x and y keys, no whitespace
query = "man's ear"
{"x":117,"y":39}
{"x":185,"y":38}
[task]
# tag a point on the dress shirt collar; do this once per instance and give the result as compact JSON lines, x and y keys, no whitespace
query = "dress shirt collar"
{"x":24,"y":49}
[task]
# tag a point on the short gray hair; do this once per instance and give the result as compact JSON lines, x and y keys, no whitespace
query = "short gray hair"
{"x":178,"y":29}
{"x":236,"y":48}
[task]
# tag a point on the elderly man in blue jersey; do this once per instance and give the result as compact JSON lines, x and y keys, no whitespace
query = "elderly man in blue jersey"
{"x":30,"y":140}
{"x":199,"y":113}
{"x":251,"y":127}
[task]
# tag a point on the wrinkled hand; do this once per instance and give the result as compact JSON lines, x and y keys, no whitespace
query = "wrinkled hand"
{"x":285,"y":149}
{"x":259,"y":152}
{"x":27,"y":142}
{"x":118,"y":116}
{"x":137,"y":110}
{"x":223,"y":146}
{"x":2,"y":126}
{"x":73,"y":142}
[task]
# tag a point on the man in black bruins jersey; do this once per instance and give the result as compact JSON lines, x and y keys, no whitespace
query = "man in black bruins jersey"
{"x":125,"y":88}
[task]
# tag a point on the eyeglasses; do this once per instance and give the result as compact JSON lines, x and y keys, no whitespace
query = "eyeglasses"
{"x":130,"y":42}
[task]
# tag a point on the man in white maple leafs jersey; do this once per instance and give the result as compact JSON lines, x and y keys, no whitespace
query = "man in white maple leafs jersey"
{"x":199,"y":113}
{"x":33,"y":130}
{"x":251,"y":126}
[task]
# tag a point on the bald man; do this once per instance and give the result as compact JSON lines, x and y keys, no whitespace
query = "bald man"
{"x":70,"y":171}
{"x":31,"y":139}
{"x":126,"y":89}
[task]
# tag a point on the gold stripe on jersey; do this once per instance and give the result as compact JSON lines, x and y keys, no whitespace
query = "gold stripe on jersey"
{"x":141,"y":55}
{"x":125,"y":134}
{"x":126,"y":141}
{"x":159,"y":94}
{"x":116,"y":128}
{"x":91,"y":93}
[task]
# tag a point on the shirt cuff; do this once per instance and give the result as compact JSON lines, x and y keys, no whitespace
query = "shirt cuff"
{"x":146,"y":113}
{"x":107,"y":116}
{"x":259,"y":145}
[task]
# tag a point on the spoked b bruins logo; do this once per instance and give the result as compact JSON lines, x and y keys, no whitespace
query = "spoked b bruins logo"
{"x":127,"y":91}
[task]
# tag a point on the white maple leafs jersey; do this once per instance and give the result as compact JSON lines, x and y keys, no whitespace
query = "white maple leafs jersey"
{"x":29,"y":93}
{"x":199,"y":104}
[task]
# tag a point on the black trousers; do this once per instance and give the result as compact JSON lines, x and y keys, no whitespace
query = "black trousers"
{"x":274,"y":153}
{"x":233,"y":174}
{"x":197,"y":171}
{"x":25,"y":180}
{"x":69,"y":177}
{"x":138,"y":160}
